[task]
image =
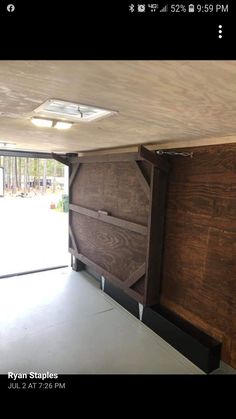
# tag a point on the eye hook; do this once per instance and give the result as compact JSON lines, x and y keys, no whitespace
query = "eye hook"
{"x":81,"y":113}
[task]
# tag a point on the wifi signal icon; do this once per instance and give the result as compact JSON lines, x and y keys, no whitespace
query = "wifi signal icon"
{"x":164,"y":9}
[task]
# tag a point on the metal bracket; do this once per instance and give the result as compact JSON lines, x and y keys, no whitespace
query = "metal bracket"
{"x":140,"y":307}
{"x":102,"y":282}
{"x":174,"y":153}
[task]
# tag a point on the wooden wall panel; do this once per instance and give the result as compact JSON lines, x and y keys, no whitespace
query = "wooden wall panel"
{"x":115,"y":188}
{"x":199,"y":268}
{"x":115,"y":249}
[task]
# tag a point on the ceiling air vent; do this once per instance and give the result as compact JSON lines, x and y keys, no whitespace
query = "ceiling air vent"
{"x":74,"y":112}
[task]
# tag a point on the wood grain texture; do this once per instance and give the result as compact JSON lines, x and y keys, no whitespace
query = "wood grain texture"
{"x":199,"y":268}
{"x":116,"y":250}
{"x":73,"y":241}
{"x":74,"y":172}
{"x":146,"y":170}
{"x":157,"y":101}
{"x":135,"y":276}
{"x":98,"y":269}
{"x":135,"y":295}
{"x":113,"y":204}
{"x":166,"y":145}
{"x":139,"y":286}
{"x":103,"y":216}
{"x":142,"y":179}
{"x":151,"y":157}
{"x":155,"y":236}
{"x":112,"y":187}
{"x":110,"y":157}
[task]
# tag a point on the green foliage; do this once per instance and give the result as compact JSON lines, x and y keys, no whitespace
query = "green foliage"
{"x":60,"y":204}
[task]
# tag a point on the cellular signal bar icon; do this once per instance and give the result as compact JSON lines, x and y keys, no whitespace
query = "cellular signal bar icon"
{"x":164,"y":9}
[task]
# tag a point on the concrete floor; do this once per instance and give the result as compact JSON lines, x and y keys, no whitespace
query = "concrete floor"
{"x":60,"y":321}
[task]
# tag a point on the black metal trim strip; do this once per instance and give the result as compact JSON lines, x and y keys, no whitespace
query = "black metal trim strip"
{"x":197,"y":346}
{"x":33,"y":272}
{"x":29,"y":154}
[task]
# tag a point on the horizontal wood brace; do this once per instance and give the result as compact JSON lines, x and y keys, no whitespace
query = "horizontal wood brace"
{"x":101,"y":271}
{"x":127,"y":225}
{"x":109,"y":158}
{"x":124,"y":285}
{"x":61,"y":159}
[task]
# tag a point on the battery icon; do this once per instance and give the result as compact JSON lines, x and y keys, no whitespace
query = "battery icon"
{"x":191,"y":8}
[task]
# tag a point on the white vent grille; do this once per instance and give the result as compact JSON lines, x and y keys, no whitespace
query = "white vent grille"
{"x":74,"y":112}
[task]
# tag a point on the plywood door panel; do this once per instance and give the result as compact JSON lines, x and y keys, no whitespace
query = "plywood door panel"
{"x":115,"y":249}
{"x":115,"y":244}
{"x":113,"y":187}
{"x":112,"y":225}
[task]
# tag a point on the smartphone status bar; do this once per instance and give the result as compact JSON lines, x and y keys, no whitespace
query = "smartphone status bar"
{"x":178,"y":8}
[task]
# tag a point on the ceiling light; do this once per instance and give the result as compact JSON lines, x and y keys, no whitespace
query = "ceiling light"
{"x":39,"y":122}
{"x":62,"y":125}
{"x":7,"y":145}
{"x":70,"y":111}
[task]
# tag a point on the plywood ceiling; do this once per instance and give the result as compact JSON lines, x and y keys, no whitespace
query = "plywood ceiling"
{"x":159,"y":102}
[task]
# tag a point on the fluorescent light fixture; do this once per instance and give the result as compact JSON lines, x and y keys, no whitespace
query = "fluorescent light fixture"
{"x":48,"y":123}
{"x":39,"y":122}
{"x":6,"y":144}
{"x":62,"y":125}
{"x":70,"y":111}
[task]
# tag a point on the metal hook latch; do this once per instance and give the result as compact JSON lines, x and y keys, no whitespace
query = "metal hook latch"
{"x":174,"y":153}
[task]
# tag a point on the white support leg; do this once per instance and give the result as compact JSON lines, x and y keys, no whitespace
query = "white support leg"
{"x":140,"y":307}
{"x":103,"y":282}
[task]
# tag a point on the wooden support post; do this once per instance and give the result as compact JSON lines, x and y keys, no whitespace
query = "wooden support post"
{"x":73,"y":174}
{"x":150,"y":156}
{"x":142,"y":179}
{"x":155,"y":236}
{"x":61,"y":159}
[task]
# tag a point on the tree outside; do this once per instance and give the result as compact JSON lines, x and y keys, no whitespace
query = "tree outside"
{"x":31,"y":176}
{"x":34,"y":217}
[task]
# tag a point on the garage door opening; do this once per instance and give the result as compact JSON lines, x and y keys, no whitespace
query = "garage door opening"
{"x":33,"y":213}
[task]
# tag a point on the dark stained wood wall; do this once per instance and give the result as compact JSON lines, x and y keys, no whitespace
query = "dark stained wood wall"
{"x":199,"y":266}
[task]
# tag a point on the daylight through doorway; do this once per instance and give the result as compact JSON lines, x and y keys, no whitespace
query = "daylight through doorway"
{"x":33,"y":214}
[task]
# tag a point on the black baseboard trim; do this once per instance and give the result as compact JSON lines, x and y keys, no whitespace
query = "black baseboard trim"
{"x":197,"y":346}
{"x":123,"y":299}
{"x":200,"y":348}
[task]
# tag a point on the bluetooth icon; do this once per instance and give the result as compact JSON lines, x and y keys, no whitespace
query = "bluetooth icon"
{"x":10,"y":8}
{"x":131,"y":8}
